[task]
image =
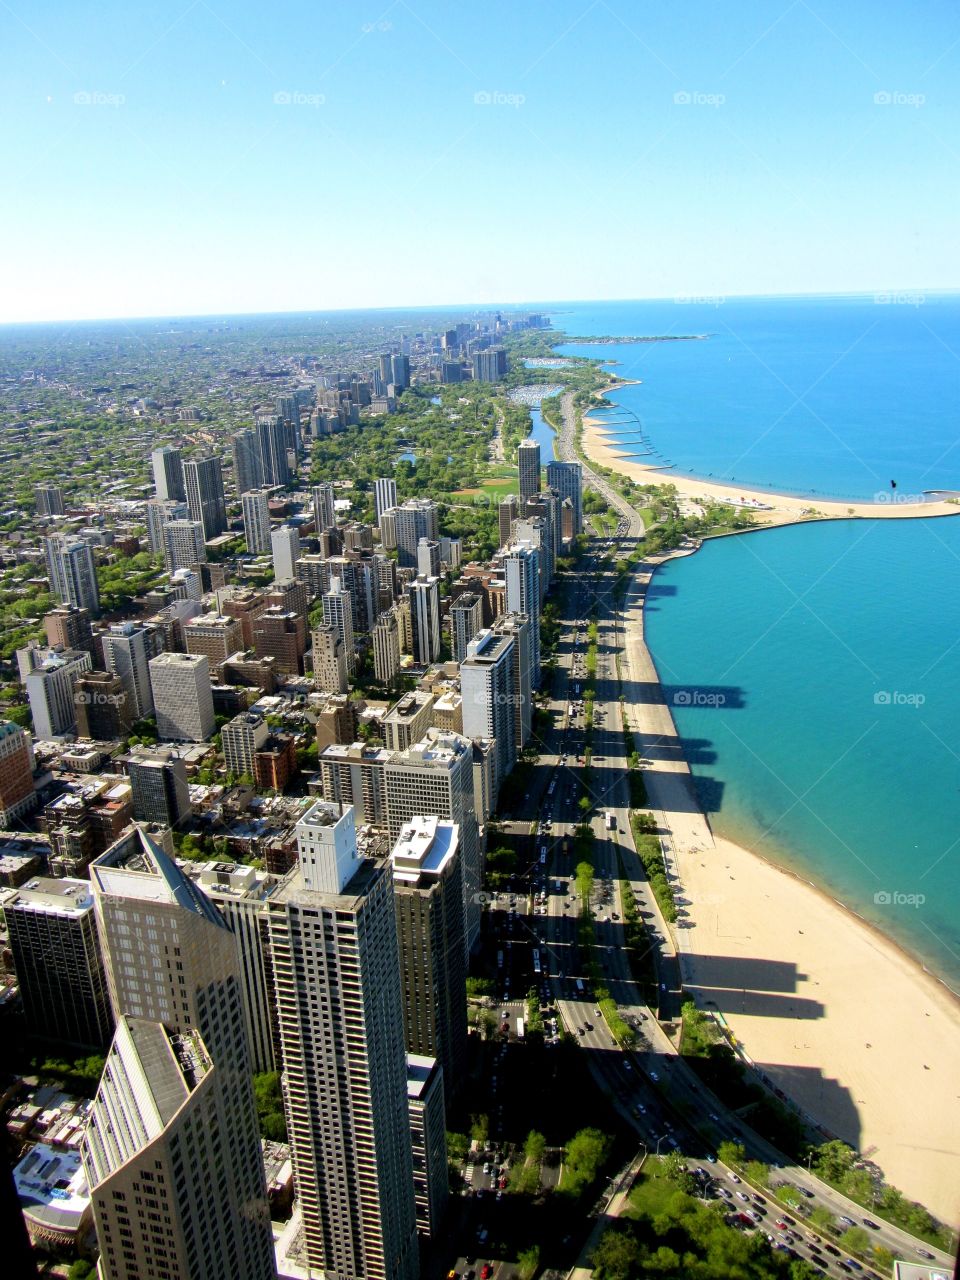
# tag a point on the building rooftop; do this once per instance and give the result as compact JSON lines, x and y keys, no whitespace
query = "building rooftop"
{"x":52,"y":1188}
{"x":424,"y":846}
{"x":54,"y":897}
{"x":135,"y":867}
{"x":420,"y":1069}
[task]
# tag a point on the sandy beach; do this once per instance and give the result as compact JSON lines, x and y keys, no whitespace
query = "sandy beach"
{"x":602,"y":447}
{"x":836,"y":1016}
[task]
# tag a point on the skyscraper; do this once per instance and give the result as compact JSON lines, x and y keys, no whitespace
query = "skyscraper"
{"x":72,"y":573}
{"x":173,"y":1127}
{"x":182,"y":697}
{"x":486,"y":685}
{"x":247,"y":463}
{"x":428,"y":895}
{"x":59,"y":965}
{"x":183,"y":544}
{"x":50,"y":689}
{"x":329,"y":661}
{"x":158,"y":783}
{"x":333,"y":942}
{"x":159,"y":512}
{"x":567,"y":479}
{"x":466,"y":619}
{"x":17,"y":795}
{"x":256,"y":522}
{"x":508,"y":510}
{"x":241,"y":738}
{"x":324,"y":511}
{"x":386,"y":647}
{"x":49,"y":499}
{"x":416,"y":519}
{"x":428,"y":558}
{"x":384,"y":496}
{"x":436,"y":777}
{"x":490,"y":365}
{"x":428,"y":1139}
{"x":425,"y":619}
{"x":517,"y":625}
{"x":272,"y":436}
{"x":205,"y":498}
{"x":400,"y":371}
{"x":285,"y":545}
{"x":168,"y":474}
{"x":338,"y":613}
{"x":528,"y":464}
{"x":127,"y":650}
{"x":68,"y":627}
{"x":521,"y":567}
{"x":104,"y":711}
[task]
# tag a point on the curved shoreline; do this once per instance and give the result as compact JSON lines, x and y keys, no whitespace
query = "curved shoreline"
{"x":782,"y":508}
{"x":835,"y":1013}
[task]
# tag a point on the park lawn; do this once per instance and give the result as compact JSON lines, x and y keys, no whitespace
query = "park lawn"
{"x":497,"y":487}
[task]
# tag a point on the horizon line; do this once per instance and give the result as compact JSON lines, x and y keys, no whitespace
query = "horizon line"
{"x":551,"y":306}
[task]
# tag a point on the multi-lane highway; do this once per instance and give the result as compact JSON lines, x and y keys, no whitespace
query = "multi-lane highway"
{"x":650,"y":1085}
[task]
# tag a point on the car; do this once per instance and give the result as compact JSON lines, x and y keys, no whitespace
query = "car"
{"x":486,"y":1271}
{"x":742,"y":1195}
{"x":734,"y":1178}
{"x":853,"y":1264}
{"x":847,"y":1222}
{"x":925,"y":1253}
{"x":654,"y":1077}
{"x":805,"y":1191}
{"x":869,"y":1222}
{"x":711,"y":1158}
{"x":832,"y":1248}
{"x":780,"y":1224}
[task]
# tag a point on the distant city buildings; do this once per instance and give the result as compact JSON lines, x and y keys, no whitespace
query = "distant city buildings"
{"x":48,"y":499}
{"x":256,"y":522}
{"x":168,"y":474}
{"x":72,"y":573}
{"x":247,"y":462}
{"x":206,"y":503}
{"x":384,"y":496}
{"x":272,"y":436}
{"x":528,"y":463}
{"x":182,"y":697}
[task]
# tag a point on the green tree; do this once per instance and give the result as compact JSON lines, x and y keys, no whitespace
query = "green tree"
{"x":618,"y":1255}
{"x":528,"y":1261}
{"x":732,"y":1154}
{"x":856,"y":1240}
{"x":674,"y":1167}
{"x":480,"y":1128}
{"x":833,"y":1160}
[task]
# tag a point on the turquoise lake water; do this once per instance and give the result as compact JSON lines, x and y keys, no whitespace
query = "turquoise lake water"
{"x":817,"y":667}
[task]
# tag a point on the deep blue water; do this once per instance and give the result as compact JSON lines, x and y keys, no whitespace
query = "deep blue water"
{"x":834,"y":646}
{"x":813,"y":674}
{"x":812,"y":395}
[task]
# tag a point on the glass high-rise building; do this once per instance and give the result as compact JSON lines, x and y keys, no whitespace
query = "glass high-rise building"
{"x":333,"y":943}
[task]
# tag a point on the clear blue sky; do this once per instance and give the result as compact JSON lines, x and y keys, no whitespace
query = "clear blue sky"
{"x":185,"y":186}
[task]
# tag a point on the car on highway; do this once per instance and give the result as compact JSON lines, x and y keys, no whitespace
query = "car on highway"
{"x":654,"y":1077}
